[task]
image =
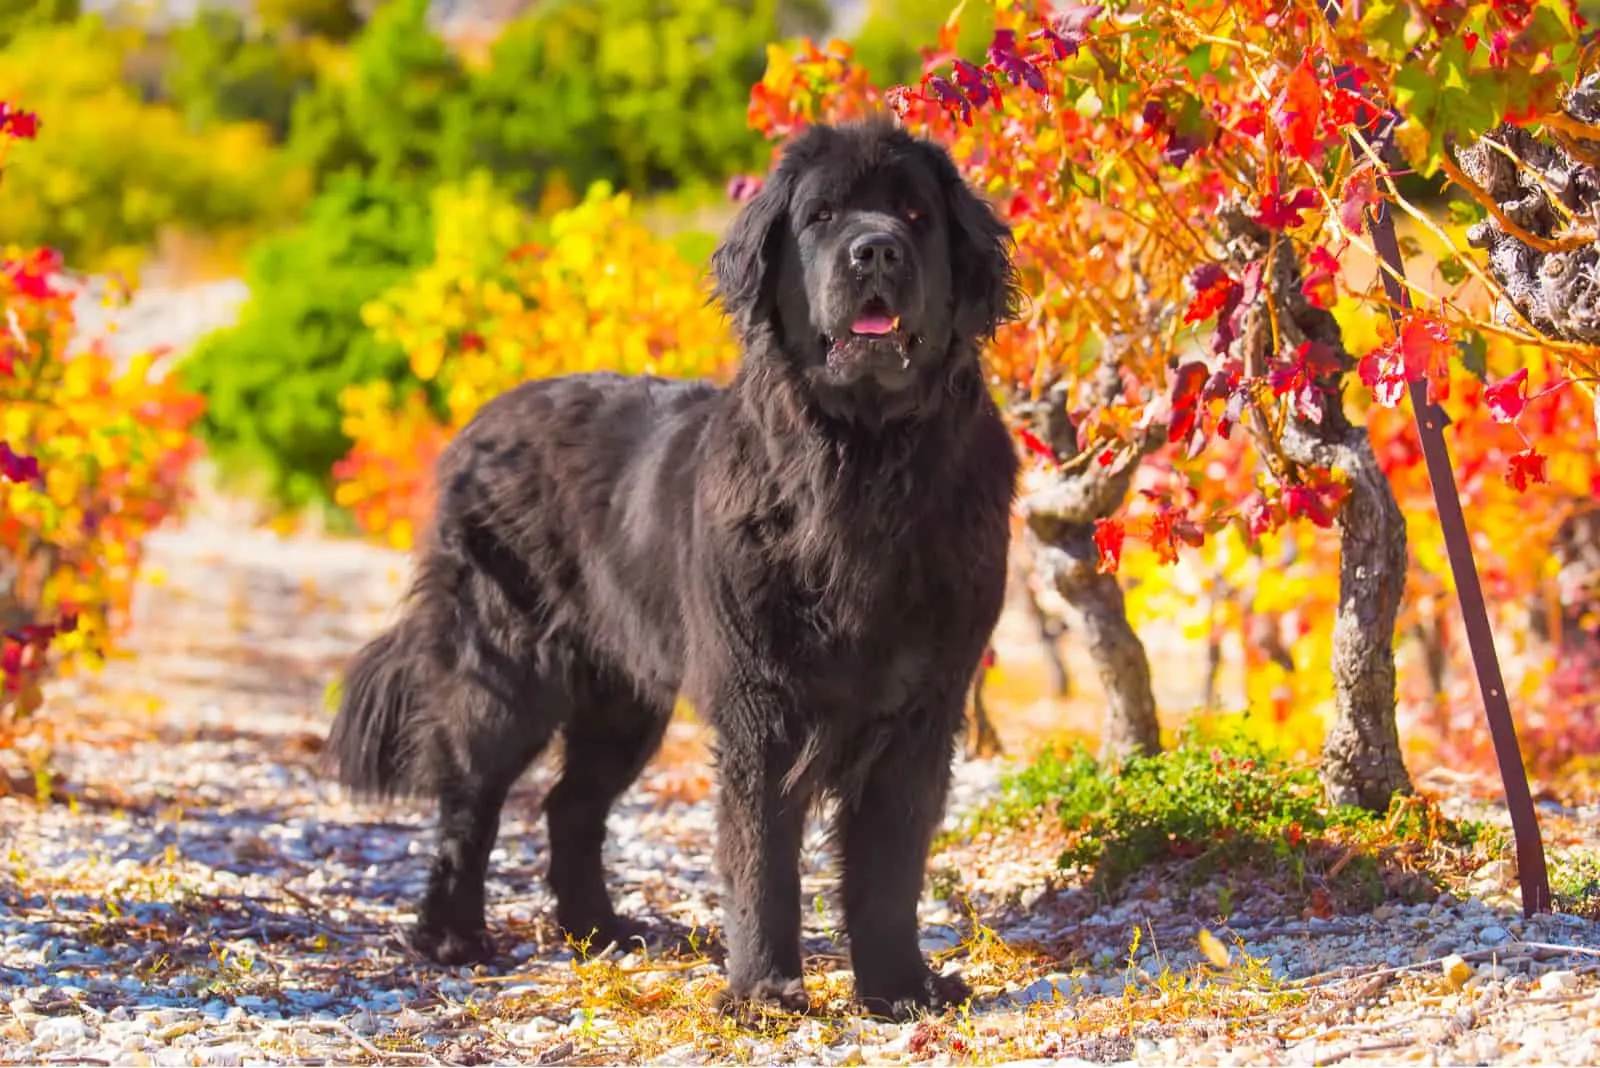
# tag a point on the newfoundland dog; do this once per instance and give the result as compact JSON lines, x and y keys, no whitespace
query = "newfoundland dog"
{"x":813,"y":557}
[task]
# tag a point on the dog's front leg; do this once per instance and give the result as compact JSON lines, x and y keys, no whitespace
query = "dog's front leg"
{"x":885,"y":830}
{"x":759,"y":826}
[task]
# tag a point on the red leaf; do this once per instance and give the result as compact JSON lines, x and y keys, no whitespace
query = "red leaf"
{"x":23,"y":125}
{"x":949,"y":97}
{"x":1507,"y":397}
{"x":1280,"y":212}
{"x":15,"y":467}
{"x":1187,"y":385}
{"x":1035,"y":446}
{"x":1108,"y":538}
{"x":1346,"y":107}
{"x":1525,"y":468}
{"x":1300,"y":112}
{"x":1258,"y":516}
{"x":975,"y":83}
{"x":1168,"y":527}
{"x":1305,"y":502}
{"x":1016,"y":67}
{"x":1318,"y":285}
{"x":1210,"y":299}
{"x":1360,"y":190}
{"x":1421,"y":351}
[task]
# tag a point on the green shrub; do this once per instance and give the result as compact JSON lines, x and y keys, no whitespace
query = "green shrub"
{"x":220,"y":71}
{"x":272,"y":382}
{"x":114,"y":171}
{"x":645,"y":94}
{"x":1214,"y":801}
{"x":887,"y":42}
{"x":19,"y":15}
{"x":332,"y":20}
{"x":398,"y":110}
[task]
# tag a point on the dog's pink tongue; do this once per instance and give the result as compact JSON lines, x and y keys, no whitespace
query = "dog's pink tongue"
{"x":876,"y":325}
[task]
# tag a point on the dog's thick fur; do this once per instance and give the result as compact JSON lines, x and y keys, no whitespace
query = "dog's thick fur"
{"x":814,"y":557}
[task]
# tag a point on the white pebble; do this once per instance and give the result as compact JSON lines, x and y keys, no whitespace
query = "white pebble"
{"x":1558,"y":981}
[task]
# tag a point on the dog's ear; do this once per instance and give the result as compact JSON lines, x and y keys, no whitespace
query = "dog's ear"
{"x":987,"y":292}
{"x":745,"y":260}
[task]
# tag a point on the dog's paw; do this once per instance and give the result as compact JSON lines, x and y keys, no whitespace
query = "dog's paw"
{"x":934,"y":993}
{"x":451,"y":948}
{"x":748,"y":1003}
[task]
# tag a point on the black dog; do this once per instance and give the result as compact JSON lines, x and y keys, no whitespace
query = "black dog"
{"x":814,"y":557}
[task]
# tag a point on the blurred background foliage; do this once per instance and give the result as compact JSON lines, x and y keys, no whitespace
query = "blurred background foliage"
{"x":299,"y":144}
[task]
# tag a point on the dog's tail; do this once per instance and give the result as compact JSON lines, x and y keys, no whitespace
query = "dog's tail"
{"x":374,"y":743}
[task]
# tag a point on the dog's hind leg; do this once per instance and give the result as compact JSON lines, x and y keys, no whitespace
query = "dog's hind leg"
{"x":496,"y":723}
{"x":611,"y":737}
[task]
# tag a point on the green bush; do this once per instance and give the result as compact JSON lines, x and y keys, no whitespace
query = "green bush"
{"x":115,"y":171}
{"x":272,"y":382}
{"x":397,"y":111}
{"x":220,"y":71}
{"x":332,"y":20}
{"x":887,"y":42}
{"x":19,"y":15}
{"x":538,"y":112}
{"x":1212,"y":802}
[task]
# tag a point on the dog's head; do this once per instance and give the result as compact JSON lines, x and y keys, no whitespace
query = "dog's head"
{"x":872,"y":262}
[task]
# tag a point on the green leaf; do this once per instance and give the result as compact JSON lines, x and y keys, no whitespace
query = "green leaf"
{"x":1452,"y":270}
{"x":1198,"y":62}
{"x":1464,"y":212}
{"x":1119,"y":97}
{"x":1392,"y":29}
{"x":1474,"y":354}
{"x":1547,"y":27}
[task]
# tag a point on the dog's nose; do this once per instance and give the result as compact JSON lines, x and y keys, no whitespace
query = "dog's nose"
{"x":875,"y":252}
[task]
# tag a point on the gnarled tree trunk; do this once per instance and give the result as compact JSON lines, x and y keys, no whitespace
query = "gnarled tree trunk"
{"x":1550,"y":270}
{"x":1361,"y":759}
{"x":1060,"y":521}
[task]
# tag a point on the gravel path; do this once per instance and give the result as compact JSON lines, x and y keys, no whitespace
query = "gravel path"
{"x":198,"y":895}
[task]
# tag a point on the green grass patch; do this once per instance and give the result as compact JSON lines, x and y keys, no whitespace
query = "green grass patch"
{"x":1221,"y":801}
{"x":1575,"y":882}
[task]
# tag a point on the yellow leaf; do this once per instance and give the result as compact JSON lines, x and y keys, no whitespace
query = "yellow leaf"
{"x":1215,"y":951}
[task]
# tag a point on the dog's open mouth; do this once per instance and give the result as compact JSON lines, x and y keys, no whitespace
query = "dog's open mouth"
{"x":873,"y":331}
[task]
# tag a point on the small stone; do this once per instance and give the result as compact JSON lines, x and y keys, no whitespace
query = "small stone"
{"x":1498,"y":873}
{"x":849,"y":1056}
{"x":1493,"y":935}
{"x":229,"y":1056}
{"x":60,"y":1031}
{"x":1044,"y":991}
{"x":1144,"y":1049}
{"x":1456,"y":971}
{"x":1558,"y":982}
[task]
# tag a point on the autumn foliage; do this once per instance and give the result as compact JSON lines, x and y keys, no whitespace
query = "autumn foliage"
{"x":93,"y":456}
{"x":506,"y":300}
{"x":1132,"y":148}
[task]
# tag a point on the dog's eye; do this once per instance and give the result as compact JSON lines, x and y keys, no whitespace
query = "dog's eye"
{"x":822,"y":215}
{"x":912,"y":214}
